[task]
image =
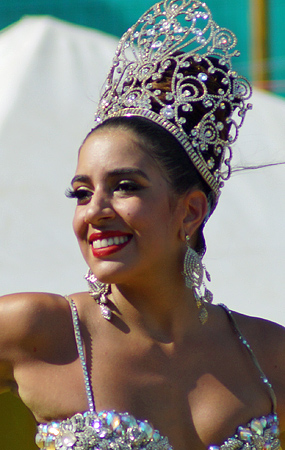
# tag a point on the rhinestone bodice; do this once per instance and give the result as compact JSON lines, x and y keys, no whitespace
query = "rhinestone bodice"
{"x":111,"y":430}
{"x":121,"y":431}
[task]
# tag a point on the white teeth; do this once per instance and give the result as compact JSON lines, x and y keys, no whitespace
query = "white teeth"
{"x":102,"y":243}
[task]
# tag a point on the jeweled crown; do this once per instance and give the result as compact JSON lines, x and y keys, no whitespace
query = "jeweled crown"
{"x":174,"y":67}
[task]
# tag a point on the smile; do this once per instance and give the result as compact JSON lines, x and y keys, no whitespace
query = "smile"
{"x":109,"y":242}
{"x":103,"y":243}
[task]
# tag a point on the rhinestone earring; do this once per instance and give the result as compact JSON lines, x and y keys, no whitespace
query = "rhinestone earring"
{"x":99,"y":292}
{"x":194,"y":273}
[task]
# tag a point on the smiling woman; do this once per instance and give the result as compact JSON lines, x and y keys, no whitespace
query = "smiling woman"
{"x":124,"y":193}
{"x":167,"y":369}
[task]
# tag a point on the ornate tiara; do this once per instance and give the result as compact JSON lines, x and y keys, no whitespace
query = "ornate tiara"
{"x":178,"y":41}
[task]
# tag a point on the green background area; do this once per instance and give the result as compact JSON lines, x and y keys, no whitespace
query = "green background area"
{"x":17,"y":426}
{"x":115,"y":16}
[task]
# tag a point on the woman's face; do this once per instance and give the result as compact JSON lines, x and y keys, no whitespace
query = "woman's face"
{"x":127,"y":222}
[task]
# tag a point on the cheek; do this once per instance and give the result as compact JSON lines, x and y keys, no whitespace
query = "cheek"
{"x":129,"y":210}
{"x":139,"y":215}
{"x":147,"y":217}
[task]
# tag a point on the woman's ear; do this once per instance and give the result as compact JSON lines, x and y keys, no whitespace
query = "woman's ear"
{"x":196,"y":208}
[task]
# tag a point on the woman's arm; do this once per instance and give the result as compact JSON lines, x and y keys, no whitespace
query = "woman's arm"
{"x":23,"y":324}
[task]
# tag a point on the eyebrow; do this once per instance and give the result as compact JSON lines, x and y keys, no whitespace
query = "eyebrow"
{"x":128,"y":171}
{"x":124,"y":171}
{"x":80,"y":179}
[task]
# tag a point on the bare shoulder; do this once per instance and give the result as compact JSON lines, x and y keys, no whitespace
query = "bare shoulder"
{"x":34,"y":327}
{"x":24,"y":321}
{"x":267,"y":340}
{"x":26,"y":315}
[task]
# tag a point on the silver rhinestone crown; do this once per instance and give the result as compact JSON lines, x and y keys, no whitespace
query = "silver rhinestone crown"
{"x":180,"y":38}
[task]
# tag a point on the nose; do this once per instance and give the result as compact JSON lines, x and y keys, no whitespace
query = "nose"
{"x":99,"y":208}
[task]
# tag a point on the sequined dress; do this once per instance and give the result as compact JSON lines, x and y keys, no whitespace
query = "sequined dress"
{"x":121,"y":431}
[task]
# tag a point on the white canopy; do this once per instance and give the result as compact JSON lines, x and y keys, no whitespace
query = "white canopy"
{"x":51,"y":74}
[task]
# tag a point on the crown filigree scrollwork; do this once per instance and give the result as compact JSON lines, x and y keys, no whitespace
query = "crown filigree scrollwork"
{"x":178,"y":41}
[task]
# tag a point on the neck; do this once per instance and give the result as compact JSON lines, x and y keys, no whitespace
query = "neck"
{"x":162,"y":311}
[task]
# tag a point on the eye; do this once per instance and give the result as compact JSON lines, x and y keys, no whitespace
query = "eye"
{"x":81,"y":194}
{"x":128,"y":186}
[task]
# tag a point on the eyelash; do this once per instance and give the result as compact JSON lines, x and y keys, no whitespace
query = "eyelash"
{"x":123,"y":186}
{"x":79,"y":194}
{"x":127,"y":186}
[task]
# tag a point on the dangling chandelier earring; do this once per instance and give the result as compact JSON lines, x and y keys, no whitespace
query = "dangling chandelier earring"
{"x":194,"y":273}
{"x":99,"y":292}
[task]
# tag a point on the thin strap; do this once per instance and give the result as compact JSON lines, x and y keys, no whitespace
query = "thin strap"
{"x":252,"y":355}
{"x":80,"y":350}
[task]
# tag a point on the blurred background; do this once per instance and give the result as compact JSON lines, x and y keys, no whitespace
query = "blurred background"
{"x":54,"y":56}
{"x":259,"y":25}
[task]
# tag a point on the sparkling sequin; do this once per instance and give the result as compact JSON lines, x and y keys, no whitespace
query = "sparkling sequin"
{"x":105,"y":430}
{"x":202,"y":76}
{"x":257,"y":435}
{"x":256,"y":426}
{"x":211,"y":163}
{"x":40,"y":440}
{"x":106,"y":312}
{"x":168,"y":112}
{"x":66,"y":439}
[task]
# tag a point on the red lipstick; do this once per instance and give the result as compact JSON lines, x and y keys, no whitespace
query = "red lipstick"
{"x":108,"y":242}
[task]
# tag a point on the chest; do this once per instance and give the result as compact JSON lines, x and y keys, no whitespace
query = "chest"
{"x":188,"y":395}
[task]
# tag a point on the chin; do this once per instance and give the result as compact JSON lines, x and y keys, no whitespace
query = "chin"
{"x":110,"y":272}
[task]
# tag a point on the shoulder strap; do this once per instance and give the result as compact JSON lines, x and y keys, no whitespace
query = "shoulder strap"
{"x":252,"y":355}
{"x":80,"y":350}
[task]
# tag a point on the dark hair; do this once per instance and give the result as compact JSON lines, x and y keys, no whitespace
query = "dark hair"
{"x":163,"y":147}
{"x":200,"y":106}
